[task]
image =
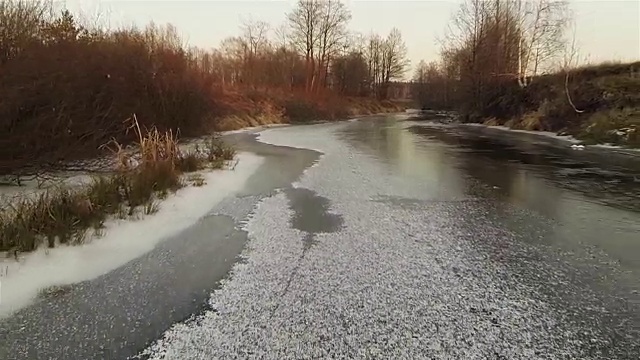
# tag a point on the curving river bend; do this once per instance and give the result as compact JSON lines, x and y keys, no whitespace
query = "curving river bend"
{"x":378,"y":238}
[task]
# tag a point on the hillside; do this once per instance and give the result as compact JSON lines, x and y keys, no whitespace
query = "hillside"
{"x":606,"y":105}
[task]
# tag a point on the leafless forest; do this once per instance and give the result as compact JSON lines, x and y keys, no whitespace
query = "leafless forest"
{"x":514,"y":63}
{"x":68,"y":86}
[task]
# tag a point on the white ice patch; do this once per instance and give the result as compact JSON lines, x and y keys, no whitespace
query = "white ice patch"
{"x":282,"y":137}
{"x":617,"y":147}
{"x":124,"y":240}
{"x":397,"y":282}
{"x":567,"y":138}
{"x":253,"y":128}
{"x":262,"y":277}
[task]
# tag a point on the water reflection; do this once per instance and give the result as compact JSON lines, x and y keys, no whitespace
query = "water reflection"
{"x":565,"y":225}
{"x":590,"y":204}
{"x":614,"y":185}
{"x":384,"y":139}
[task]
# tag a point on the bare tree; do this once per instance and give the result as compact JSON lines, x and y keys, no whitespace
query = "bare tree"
{"x":333,"y":34}
{"x":570,"y":59}
{"x":492,"y":45}
{"x":386,"y":59}
{"x":255,"y":36}
{"x":234,"y":50}
{"x":373,"y":55}
{"x":394,"y":56}
{"x":20,"y":23}
{"x":350,"y":74}
{"x":541,"y":25}
{"x":466,"y":47}
{"x":304,"y":21}
{"x":318,"y":27}
{"x":431,"y":85}
{"x":282,"y":36}
{"x":508,"y":38}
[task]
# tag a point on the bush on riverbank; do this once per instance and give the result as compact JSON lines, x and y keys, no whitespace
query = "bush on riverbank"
{"x":66,"y":88}
{"x":64,"y":215}
{"x":255,"y":108}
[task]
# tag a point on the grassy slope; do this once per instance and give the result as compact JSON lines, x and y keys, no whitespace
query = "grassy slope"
{"x":607,"y":98}
{"x":253,"y":108}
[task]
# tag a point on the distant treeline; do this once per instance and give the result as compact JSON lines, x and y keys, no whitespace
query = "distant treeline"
{"x":66,"y":88}
{"x":510,"y":62}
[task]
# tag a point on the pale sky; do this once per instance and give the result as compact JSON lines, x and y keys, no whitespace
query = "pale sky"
{"x":605,"y":30}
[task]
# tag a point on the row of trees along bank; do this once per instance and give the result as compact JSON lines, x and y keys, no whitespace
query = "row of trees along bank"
{"x":66,"y":87}
{"x":512,"y":62}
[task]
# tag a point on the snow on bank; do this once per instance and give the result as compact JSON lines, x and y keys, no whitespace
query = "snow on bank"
{"x":550,"y":134}
{"x":124,"y":240}
{"x":570,"y":140}
{"x":253,"y":129}
{"x":30,"y":189}
{"x":617,"y":148}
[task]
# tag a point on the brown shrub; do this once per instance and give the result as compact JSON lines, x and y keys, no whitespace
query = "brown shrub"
{"x":65,"y":91}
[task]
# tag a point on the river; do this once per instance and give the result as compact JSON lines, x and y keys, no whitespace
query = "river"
{"x":378,"y":238}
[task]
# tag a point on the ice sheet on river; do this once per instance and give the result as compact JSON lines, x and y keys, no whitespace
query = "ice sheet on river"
{"x":123,"y":240}
{"x":405,"y":277}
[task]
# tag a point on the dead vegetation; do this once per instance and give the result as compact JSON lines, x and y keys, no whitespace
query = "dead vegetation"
{"x":66,"y":87}
{"x":64,"y":216}
{"x":606,"y":95}
{"x":513,"y":63}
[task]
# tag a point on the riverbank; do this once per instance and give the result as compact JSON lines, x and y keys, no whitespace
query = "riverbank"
{"x":86,"y":226}
{"x":139,"y":178}
{"x":53,"y":114}
{"x":255,"y":108}
{"x":123,"y":310}
{"x":553,"y":139}
{"x":49,"y":270}
{"x":597,"y":105}
{"x":501,"y":132}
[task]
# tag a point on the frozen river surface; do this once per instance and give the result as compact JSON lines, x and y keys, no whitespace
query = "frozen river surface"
{"x":400,"y":243}
{"x":375,"y":239}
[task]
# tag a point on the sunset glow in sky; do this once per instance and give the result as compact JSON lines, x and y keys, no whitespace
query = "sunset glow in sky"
{"x":605,"y":30}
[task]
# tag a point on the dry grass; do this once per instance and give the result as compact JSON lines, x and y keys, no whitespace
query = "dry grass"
{"x":197,"y":180}
{"x":216,"y":150}
{"x":255,"y":108}
{"x":616,"y":127}
{"x":491,"y":122}
{"x":531,"y":121}
{"x":191,"y":161}
{"x":142,"y":178}
{"x":60,"y":216}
